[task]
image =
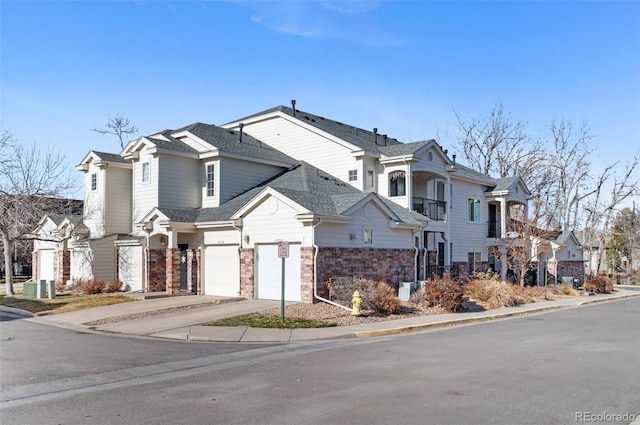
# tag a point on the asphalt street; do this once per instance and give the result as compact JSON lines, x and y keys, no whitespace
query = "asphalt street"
{"x":550,"y":368}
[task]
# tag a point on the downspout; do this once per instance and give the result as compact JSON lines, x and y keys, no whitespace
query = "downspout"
{"x":415,"y":257}
{"x":315,"y":269}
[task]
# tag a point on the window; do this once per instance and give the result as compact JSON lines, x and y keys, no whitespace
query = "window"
{"x":367,"y":237}
{"x":211,"y":190}
{"x":474,"y":210}
{"x":353,"y":175}
{"x":370,"y":179}
{"x":397,"y":183}
{"x":145,"y":172}
{"x":94,"y":181}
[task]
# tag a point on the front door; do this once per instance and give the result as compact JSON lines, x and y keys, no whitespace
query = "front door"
{"x":183,"y":265}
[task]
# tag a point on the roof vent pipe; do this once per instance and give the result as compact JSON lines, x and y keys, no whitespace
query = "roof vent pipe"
{"x":293,"y":106}
{"x":384,"y":137}
{"x":241,"y":125}
{"x":454,"y":159}
{"x":375,"y":135}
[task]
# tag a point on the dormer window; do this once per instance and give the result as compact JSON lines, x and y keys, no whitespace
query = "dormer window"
{"x":397,"y":185}
{"x":146,"y":172}
{"x":94,"y":182}
{"x":353,"y":175}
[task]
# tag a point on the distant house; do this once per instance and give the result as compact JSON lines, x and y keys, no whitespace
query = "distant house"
{"x":204,"y":208}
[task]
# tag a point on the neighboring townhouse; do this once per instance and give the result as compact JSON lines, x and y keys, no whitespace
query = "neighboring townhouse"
{"x":51,"y":252}
{"x":562,"y":255}
{"x":203,"y":209}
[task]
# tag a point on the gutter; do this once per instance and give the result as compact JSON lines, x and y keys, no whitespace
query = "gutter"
{"x":315,"y":269}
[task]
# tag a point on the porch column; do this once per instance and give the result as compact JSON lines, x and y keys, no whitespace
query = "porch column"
{"x":503,"y":217}
{"x":173,"y":270}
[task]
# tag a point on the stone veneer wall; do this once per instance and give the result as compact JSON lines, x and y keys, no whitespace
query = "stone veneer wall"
{"x":61,"y":267}
{"x":34,"y":265}
{"x":157,"y":270}
{"x":571,"y":268}
{"x":365,"y":263}
{"x":247,"y":272}
{"x":306,"y":273}
{"x":173,"y":270}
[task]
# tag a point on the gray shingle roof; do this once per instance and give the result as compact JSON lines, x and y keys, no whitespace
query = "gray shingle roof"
{"x":172,"y":144}
{"x":403,"y":148}
{"x":505,"y":183}
{"x":229,"y":141}
{"x":304,"y":184}
{"x":470,"y":174}
{"x":110,"y":157}
{"x":359,"y":137}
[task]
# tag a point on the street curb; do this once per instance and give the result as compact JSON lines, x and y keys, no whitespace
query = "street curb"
{"x":445,"y":323}
{"x":613,"y":298}
{"x":17,"y":311}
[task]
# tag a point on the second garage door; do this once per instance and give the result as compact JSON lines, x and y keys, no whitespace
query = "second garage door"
{"x":269,"y":280}
{"x":222,"y":271}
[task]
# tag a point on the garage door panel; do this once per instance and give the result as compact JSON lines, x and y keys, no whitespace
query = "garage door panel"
{"x":222,"y":271}
{"x":269,"y":279}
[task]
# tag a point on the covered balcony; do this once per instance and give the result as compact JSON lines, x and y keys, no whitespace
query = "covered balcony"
{"x":432,"y":208}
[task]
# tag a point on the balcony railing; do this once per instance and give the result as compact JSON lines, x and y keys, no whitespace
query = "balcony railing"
{"x":435,"y":210}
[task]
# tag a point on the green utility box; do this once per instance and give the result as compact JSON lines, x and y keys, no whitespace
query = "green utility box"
{"x":29,"y":290}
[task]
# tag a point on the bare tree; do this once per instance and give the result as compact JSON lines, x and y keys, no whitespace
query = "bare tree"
{"x":32,"y":183}
{"x":498,"y":144}
{"x":610,"y":193}
{"x":119,"y":126}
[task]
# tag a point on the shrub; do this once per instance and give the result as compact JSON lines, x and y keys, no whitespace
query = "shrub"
{"x":90,"y":286}
{"x":113,"y":286}
{"x":600,"y":284}
{"x":492,"y":293}
{"x":386,"y":300}
{"x":376,"y":296}
{"x":444,"y":292}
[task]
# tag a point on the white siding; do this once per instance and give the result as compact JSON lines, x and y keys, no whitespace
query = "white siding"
{"x":118,"y":200}
{"x":145,"y":195}
{"x":467,"y":236}
{"x":94,"y":202}
{"x":177,"y":182}
{"x":274,"y":220}
{"x":370,"y":216}
{"x":81,"y":264}
{"x":303,"y":144}
{"x":222,"y":237}
{"x":130,"y":267}
{"x":238,"y":176}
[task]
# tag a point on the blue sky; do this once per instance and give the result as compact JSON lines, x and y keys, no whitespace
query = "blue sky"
{"x":403,"y":67}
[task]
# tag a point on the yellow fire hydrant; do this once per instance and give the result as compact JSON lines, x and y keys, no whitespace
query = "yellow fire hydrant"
{"x":357,"y":302}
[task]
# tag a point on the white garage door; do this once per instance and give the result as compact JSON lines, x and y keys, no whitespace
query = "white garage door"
{"x":130,"y":267}
{"x":269,"y":278}
{"x":222,"y":271}
{"x":45,"y":264}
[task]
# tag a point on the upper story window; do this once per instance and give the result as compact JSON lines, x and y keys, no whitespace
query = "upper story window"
{"x":474,"y":210}
{"x":94,"y":181}
{"x":353,"y":175}
{"x":370,"y":178}
{"x":146,"y":172}
{"x":211,"y":176}
{"x":397,"y":186}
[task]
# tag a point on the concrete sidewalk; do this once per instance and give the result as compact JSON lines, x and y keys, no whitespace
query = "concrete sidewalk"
{"x":180,"y":318}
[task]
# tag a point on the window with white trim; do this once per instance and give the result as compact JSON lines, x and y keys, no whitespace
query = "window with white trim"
{"x":474,"y":210}
{"x":367,"y":237}
{"x":146,"y":172}
{"x":370,"y":179}
{"x":211,"y":176}
{"x":94,"y":182}
{"x":353,"y":175}
{"x":397,"y":183}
